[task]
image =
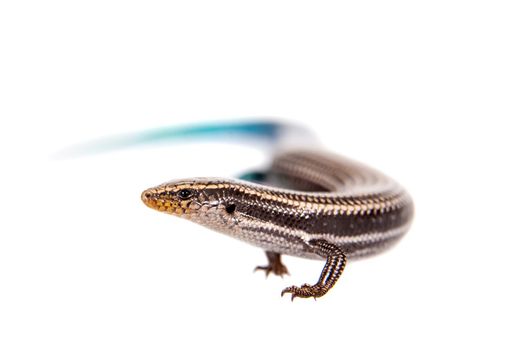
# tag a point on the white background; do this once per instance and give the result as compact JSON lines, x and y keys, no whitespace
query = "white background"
{"x":431,"y":92}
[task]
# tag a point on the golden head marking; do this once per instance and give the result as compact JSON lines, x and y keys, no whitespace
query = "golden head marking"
{"x":172,"y":198}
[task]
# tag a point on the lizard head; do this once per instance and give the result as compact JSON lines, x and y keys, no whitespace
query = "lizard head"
{"x":207,"y":201}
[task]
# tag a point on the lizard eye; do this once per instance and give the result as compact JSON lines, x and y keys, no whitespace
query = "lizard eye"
{"x":185,"y":194}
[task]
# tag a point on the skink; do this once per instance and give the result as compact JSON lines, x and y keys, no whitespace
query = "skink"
{"x":308,"y":203}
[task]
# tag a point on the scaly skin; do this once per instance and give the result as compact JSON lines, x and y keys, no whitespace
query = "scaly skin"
{"x":332,"y":209}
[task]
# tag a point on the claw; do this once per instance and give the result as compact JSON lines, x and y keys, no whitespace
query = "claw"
{"x":266,"y":269}
{"x":274,"y":266}
{"x":293,"y":290}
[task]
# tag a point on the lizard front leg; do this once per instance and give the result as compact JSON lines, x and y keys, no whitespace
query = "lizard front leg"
{"x":335,"y":264}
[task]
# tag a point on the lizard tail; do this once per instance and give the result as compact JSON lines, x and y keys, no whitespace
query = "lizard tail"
{"x":273,"y":133}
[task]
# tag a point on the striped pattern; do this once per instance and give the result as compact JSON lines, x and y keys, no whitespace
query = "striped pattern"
{"x":307,"y":195}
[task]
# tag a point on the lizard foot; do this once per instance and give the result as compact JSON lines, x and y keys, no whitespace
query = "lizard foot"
{"x":274,"y":266}
{"x":306,"y":291}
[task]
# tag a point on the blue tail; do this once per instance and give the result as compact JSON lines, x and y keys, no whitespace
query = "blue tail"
{"x":262,"y":130}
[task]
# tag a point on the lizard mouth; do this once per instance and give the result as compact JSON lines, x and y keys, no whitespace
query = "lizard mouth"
{"x":158,"y":200}
{"x":153,"y":200}
{"x":149,"y":198}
